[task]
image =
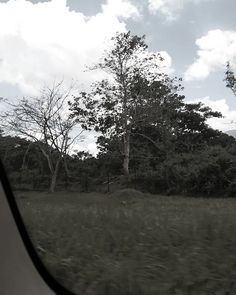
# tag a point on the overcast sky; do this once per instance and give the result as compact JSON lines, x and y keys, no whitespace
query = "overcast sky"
{"x":43,"y":41}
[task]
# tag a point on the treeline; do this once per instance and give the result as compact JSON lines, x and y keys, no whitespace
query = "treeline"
{"x":205,"y":170}
{"x":150,"y":138}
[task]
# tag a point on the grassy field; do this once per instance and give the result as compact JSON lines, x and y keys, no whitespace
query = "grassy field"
{"x":96,"y":245}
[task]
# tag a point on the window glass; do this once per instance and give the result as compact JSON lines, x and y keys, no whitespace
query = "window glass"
{"x":117,"y":133}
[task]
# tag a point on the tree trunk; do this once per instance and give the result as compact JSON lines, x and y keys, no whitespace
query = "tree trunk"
{"x":54,"y":177}
{"x":67,"y":174}
{"x":66,"y":168}
{"x":24,"y":166}
{"x":126,"y":153}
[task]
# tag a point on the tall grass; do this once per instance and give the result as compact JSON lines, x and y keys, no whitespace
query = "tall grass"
{"x":94,"y":244}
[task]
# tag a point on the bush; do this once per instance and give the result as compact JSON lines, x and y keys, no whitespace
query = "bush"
{"x":231,"y":191}
{"x":152,"y":181}
{"x":207,"y":179}
{"x":27,"y":179}
{"x":210,"y":172}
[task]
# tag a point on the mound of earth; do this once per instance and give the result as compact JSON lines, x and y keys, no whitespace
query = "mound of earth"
{"x":127,"y":194}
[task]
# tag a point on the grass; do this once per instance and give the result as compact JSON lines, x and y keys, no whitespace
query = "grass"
{"x":96,"y":245}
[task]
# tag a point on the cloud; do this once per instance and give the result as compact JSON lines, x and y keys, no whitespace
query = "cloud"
{"x":90,"y":147}
{"x":228,"y":121}
{"x":47,"y":41}
{"x":120,"y":8}
{"x":88,"y":144}
{"x":170,"y":9}
{"x":166,"y":65}
{"x":167,"y":8}
{"x":215,"y":49}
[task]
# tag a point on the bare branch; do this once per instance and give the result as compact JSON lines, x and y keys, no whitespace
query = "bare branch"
{"x":46,"y":121}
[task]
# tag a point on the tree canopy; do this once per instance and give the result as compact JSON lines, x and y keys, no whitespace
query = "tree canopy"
{"x":138,"y":99}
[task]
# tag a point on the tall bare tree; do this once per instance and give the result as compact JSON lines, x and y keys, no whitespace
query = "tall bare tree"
{"x":44,"y":120}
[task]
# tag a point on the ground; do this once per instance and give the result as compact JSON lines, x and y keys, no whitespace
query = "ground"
{"x":95,"y":244}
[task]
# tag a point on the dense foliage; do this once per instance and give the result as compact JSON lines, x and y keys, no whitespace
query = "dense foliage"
{"x":208,"y":168}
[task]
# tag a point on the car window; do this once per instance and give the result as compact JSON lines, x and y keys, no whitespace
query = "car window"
{"x":117,"y":135}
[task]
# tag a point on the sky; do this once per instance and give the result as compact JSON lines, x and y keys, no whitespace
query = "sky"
{"x":44,"y":41}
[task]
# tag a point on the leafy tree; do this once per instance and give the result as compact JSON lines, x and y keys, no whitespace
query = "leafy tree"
{"x":12,"y":150}
{"x":191,"y":129}
{"x":230,"y":78}
{"x":130,"y":96}
{"x":24,"y":163}
{"x":177,"y":127}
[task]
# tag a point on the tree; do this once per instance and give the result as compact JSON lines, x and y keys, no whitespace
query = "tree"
{"x":230,"y":78}
{"x":178,"y":128}
{"x":12,"y":150}
{"x":45,"y":121}
{"x":191,"y":129}
{"x":117,"y":104}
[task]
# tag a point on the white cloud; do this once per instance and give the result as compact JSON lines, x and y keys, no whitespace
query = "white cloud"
{"x":170,"y":9}
{"x":88,"y":147}
{"x":228,"y":121}
{"x":215,"y":49}
{"x":120,"y":8}
{"x":166,"y":65}
{"x":88,"y":144}
{"x":46,"y":41}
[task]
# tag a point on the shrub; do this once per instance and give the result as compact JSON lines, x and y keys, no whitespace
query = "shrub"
{"x":231,"y":191}
{"x":210,"y":172}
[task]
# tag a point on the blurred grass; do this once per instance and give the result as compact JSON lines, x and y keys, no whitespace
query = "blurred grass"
{"x":94,"y":244}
